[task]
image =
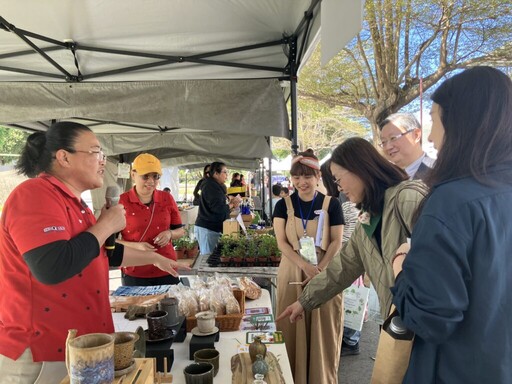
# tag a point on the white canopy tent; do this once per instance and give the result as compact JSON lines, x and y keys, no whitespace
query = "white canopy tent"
{"x":194,"y":80}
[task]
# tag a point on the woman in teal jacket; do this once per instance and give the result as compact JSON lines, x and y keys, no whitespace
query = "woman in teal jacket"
{"x":454,"y":291}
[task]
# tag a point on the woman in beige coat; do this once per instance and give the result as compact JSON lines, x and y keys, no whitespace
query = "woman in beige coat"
{"x":387,"y":201}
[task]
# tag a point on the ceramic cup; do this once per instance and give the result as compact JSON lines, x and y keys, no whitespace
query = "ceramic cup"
{"x":205,"y":321}
{"x":208,"y":355}
{"x":170,"y":305}
{"x":124,"y":343}
{"x":90,"y":356}
{"x":199,"y":373}
{"x":157,"y":324}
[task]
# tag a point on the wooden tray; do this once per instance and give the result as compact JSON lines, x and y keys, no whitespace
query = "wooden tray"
{"x":121,"y":303}
{"x":142,"y":374}
{"x":241,"y":367}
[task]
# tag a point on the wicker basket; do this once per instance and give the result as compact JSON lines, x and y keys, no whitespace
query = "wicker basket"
{"x":225,"y":322}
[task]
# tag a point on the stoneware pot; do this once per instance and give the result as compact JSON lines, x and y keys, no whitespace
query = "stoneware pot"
{"x":157,"y":324}
{"x":199,"y":373}
{"x":205,"y":321}
{"x":124,"y":343}
{"x":90,"y":358}
{"x":257,"y":348}
{"x":170,"y":305}
{"x":208,"y":355}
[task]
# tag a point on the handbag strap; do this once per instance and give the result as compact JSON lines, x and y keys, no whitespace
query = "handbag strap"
{"x":149,"y":224}
{"x":417,"y":186}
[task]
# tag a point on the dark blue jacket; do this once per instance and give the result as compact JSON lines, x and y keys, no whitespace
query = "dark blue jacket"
{"x":455,"y":290}
{"x":213,"y":206}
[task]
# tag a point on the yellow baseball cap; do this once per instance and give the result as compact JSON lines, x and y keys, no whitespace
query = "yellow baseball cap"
{"x":146,"y":163}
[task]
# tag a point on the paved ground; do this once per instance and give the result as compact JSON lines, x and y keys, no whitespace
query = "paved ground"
{"x":358,"y":369}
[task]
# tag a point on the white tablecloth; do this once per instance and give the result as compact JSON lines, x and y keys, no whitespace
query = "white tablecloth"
{"x":227,"y":345}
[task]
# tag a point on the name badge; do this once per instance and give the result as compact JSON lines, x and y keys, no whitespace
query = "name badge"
{"x":308,"y":250}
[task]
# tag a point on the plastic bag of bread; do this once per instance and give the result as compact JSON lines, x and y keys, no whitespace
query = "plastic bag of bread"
{"x":187,"y":302}
{"x":203,"y":295}
{"x":217,"y":301}
{"x":252,"y":290}
{"x":232,"y":304}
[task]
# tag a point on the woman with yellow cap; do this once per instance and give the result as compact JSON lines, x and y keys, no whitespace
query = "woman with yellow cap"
{"x":152,"y":222}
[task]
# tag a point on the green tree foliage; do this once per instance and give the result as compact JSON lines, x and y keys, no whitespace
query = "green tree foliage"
{"x":404,"y":41}
{"x":11,"y":143}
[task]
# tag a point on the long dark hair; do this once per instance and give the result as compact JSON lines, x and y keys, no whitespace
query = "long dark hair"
{"x":476,"y":112}
{"x":328,"y":180}
{"x":39,"y":152}
{"x":361,"y":158}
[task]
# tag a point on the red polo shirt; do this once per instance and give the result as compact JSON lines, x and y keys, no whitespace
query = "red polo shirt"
{"x":145,"y":222}
{"x":32,"y":314}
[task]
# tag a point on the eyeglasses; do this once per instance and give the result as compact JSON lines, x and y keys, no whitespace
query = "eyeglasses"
{"x":154,"y":176}
{"x":392,"y":139}
{"x":100,"y":156}
{"x":337,"y":181}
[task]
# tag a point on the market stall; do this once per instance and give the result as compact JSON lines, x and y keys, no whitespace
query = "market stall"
{"x":229,"y":344}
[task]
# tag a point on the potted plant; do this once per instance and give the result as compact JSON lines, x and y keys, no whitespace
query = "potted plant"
{"x":239,"y":250}
{"x":226,"y":245}
{"x":267,"y":248}
{"x":180,"y":246}
{"x":192,"y":249}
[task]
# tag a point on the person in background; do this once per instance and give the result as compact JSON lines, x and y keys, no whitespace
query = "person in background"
{"x":350,"y":344}
{"x":197,"y":189}
{"x":152,"y":222}
{"x":167,"y":190}
{"x":235,"y":180}
{"x":387,"y":201}
{"x":242,"y":180}
{"x":400,"y":140}
{"x":313,"y":345}
{"x":284,"y":192}
{"x":53,"y":264}
{"x":276,"y":192}
{"x":214,"y":208}
{"x":454,"y":288}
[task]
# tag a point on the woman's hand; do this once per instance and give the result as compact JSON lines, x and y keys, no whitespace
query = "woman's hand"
{"x":294,"y":311}
{"x":163,"y":238}
{"x":114,"y":217}
{"x":310,"y":270}
{"x":168,"y":265}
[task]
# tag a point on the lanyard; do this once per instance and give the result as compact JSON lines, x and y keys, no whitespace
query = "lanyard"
{"x":305,"y":222}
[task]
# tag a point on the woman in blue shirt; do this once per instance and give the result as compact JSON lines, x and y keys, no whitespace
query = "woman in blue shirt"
{"x":454,"y":290}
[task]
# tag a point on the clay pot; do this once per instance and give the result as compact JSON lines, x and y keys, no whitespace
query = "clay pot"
{"x":180,"y":253}
{"x":90,"y":356}
{"x":124,"y":343}
{"x":257,"y":348}
{"x":205,"y":321}
{"x":193,"y":252}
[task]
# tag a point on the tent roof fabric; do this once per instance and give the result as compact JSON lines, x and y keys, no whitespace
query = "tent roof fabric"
{"x":164,"y":70}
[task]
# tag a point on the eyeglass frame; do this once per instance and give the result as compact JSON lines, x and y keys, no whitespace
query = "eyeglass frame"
{"x":100,"y":155}
{"x":392,"y":139}
{"x":146,"y":177}
{"x":337,"y":181}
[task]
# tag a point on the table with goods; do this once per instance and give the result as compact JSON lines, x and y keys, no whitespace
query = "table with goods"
{"x":240,"y":324}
